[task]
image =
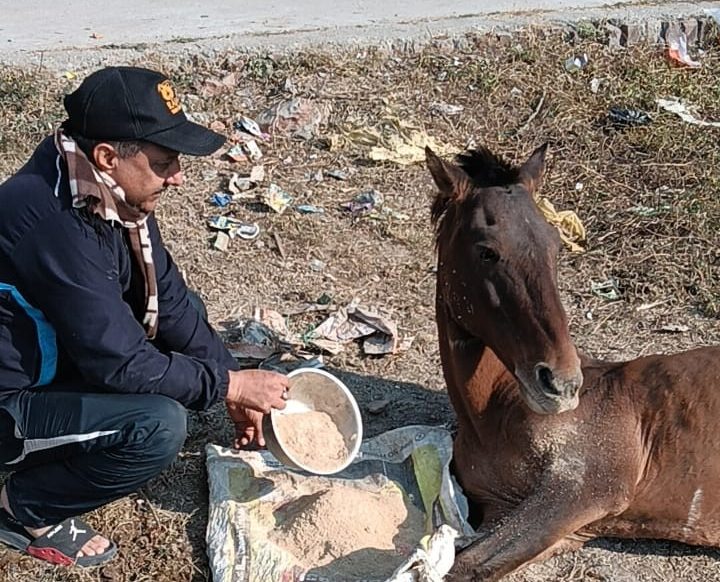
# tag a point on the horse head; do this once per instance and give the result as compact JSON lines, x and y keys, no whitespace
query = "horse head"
{"x":497,"y":272}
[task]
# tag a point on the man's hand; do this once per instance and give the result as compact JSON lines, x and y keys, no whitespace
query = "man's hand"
{"x":251,"y":394}
{"x":248,"y":427}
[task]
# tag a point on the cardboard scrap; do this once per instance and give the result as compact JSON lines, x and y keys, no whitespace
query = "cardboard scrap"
{"x":239,"y":185}
{"x":253,"y":150}
{"x":352,"y":322}
{"x":297,"y":117}
{"x":355,"y":322}
{"x":221,"y":241}
{"x":257,"y":174}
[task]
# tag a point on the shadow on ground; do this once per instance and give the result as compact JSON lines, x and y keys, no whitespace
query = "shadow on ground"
{"x":660,"y":548}
{"x":400,"y":403}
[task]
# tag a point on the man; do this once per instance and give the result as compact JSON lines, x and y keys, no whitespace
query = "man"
{"x":101,"y":351}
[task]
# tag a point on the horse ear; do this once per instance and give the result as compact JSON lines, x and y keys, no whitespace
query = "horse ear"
{"x":451,"y":180}
{"x":531,"y":172}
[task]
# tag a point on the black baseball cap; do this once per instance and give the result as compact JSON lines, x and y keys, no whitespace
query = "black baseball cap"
{"x":132,"y":103}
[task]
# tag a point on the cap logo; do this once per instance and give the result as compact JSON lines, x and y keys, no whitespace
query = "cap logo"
{"x":168,"y":95}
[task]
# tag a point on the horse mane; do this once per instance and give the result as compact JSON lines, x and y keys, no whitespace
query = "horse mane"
{"x":485,"y":170}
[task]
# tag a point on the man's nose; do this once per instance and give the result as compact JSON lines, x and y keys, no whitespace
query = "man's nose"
{"x":176,"y":179}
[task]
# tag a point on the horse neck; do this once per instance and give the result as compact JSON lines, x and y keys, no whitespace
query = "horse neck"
{"x":473,"y":373}
{"x":490,"y":377}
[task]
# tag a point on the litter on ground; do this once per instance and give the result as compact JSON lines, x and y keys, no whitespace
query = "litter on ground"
{"x":674,"y":105}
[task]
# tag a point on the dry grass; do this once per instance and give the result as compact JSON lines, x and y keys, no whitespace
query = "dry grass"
{"x":668,"y":260}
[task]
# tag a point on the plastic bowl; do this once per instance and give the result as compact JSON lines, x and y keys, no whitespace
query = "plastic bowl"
{"x":320,"y":391}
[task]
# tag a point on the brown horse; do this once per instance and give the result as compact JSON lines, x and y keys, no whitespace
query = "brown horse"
{"x":554,"y":448}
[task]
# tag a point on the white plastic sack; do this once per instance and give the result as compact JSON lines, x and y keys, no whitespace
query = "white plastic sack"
{"x":243,"y":485}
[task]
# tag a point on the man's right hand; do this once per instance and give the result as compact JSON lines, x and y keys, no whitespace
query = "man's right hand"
{"x":258,"y":390}
{"x":251,"y":394}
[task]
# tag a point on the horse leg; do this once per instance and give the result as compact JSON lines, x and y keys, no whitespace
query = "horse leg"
{"x":542,"y":524}
{"x":567,"y":544}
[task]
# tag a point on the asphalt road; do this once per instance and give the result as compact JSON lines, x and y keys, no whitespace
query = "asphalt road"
{"x":48,"y":25}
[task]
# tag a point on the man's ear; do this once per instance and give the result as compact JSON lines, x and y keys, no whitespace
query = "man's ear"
{"x":104,"y":157}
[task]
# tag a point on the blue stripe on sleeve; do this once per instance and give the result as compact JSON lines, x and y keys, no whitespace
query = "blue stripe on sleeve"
{"x":46,"y":337}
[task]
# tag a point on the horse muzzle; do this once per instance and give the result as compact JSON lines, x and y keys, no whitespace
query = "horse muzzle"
{"x":547,"y":391}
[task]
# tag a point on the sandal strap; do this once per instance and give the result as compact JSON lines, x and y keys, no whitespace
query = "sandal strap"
{"x":61,"y":543}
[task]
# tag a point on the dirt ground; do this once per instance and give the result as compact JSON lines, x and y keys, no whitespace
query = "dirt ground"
{"x":647,"y":196}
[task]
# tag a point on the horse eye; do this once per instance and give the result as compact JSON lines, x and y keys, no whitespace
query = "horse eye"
{"x":487,"y":255}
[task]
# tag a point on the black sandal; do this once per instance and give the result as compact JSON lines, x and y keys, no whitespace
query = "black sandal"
{"x":59,"y":545}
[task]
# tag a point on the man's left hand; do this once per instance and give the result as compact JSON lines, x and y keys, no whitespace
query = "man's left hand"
{"x":248,"y":426}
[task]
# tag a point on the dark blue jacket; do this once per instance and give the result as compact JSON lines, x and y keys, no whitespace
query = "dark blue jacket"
{"x":70,"y":308}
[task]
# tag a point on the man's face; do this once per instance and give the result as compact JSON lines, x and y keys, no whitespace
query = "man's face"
{"x":146,"y":175}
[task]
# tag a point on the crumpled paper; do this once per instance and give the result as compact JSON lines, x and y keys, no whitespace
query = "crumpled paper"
{"x":675,"y":106}
{"x":295,"y":117}
{"x":391,"y":139}
{"x":354,"y":322}
{"x":568,"y":224}
{"x":276,"y":198}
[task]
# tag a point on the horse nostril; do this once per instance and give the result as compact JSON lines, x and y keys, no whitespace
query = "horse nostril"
{"x":546,"y":379}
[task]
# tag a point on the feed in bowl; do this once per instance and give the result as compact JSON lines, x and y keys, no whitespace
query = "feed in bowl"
{"x":320,"y":430}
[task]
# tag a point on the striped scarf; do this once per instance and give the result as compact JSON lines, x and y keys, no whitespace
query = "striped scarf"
{"x":108,"y":202}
